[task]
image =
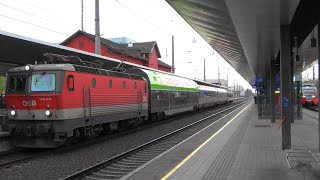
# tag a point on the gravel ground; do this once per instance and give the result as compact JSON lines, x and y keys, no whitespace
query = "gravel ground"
{"x":61,"y":165}
{"x":5,"y":145}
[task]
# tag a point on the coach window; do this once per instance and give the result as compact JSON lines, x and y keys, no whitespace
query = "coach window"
{"x":70,"y":83}
{"x":124,"y":84}
{"x":110,"y":83}
{"x":94,"y":83}
{"x":135,"y":85}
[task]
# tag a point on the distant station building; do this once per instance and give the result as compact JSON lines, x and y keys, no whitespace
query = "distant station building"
{"x":143,"y":53}
{"x":122,"y":40}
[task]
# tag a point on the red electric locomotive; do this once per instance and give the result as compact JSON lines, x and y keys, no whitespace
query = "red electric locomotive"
{"x":48,"y":103}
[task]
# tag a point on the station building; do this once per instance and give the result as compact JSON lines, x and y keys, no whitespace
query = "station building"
{"x":143,"y":53}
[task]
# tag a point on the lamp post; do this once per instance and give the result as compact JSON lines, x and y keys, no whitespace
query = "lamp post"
{"x":97,"y":22}
{"x":228,"y":78}
{"x":218,"y":75}
{"x":204,"y":69}
{"x":173,"y":70}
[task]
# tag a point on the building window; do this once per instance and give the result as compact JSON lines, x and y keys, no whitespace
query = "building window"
{"x":110,"y":83}
{"x":135,"y":85}
{"x":94,"y":83}
{"x":124,"y":84}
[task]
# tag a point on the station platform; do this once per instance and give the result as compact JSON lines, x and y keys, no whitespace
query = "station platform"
{"x":247,"y":148}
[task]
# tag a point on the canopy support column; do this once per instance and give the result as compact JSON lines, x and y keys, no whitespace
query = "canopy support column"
{"x":285,"y":86}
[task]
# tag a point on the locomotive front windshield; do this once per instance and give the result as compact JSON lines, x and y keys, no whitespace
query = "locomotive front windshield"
{"x":43,"y":82}
{"x":37,"y":82}
{"x":308,"y":92}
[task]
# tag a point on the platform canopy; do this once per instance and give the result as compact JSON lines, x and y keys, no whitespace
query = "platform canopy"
{"x":246,"y":33}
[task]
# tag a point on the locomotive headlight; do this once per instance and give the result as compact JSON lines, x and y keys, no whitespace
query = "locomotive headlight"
{"x":13,"y":112}
{"x":48,"y":113}
{"x":313,"y":96}
{"x":27,"y":67}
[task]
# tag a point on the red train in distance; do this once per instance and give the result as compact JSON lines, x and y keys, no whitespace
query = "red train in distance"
{"x":310,"y":96}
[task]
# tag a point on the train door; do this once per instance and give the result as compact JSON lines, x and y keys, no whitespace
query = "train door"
{"x":139,"y":101}
{"x":86,"y":101}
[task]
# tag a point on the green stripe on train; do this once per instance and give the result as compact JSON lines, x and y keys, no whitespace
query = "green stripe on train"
{"x":172,"y":88}
{"x":167,"y":81}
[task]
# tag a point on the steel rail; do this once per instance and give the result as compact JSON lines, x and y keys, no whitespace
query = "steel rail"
{"x":20,"y":159}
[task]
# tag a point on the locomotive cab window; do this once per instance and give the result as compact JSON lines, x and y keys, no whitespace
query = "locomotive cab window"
{"x":70,"y":83}
{"x":16,"y":84}
{"x":43,"y":82}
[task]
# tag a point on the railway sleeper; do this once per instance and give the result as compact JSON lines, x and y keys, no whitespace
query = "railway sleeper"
{"x":112,"y":172}
{"x":128,"y":163}
{"x":134,"y":160}
{"x":120,"y":165}
{"x":118,"y":168}
{"x":104,"y":176}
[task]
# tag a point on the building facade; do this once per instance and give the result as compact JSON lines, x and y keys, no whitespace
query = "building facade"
{"x":144,"y":54}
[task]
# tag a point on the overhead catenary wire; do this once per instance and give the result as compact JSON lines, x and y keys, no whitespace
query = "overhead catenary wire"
{"x":161,"y":30}
{"x":16,"y":9}
{"x":41,"y":27}
{"x":144,"y":18}
{"x":30,"y":14}
{"x":30,"y":4}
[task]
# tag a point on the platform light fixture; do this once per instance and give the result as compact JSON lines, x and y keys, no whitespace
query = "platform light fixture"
{"x":313,"y":40}
{"x":27,"y":67}
{"x":296,"y":48}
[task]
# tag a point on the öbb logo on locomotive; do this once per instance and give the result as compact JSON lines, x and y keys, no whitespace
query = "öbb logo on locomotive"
{"x":28,"y":103}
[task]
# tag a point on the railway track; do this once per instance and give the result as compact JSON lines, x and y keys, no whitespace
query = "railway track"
{"x":23,"y":155}
{"x":313,"y":108}
{"x":123,"y":165}
{"x":20,"y":156}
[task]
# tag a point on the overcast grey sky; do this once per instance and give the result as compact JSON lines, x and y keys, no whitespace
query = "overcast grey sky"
{"x":141,"y":20}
